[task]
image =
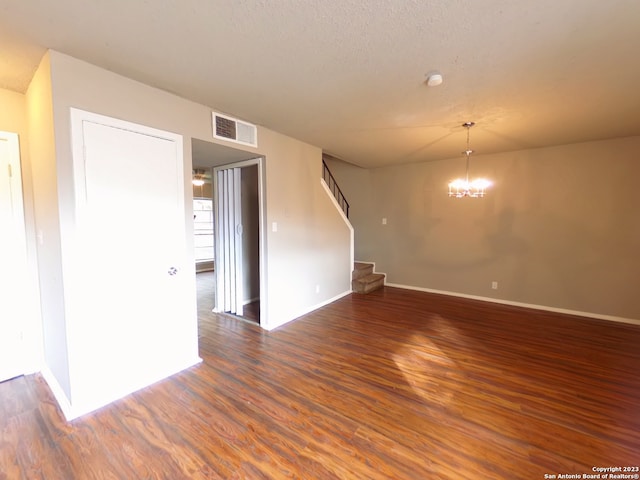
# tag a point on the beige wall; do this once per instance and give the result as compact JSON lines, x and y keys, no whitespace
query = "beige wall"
{"x":309,"y":256}
{"x":359,"y":196}
{"x":297,"y":266}
{"x":559,"y":229}
{"x":13,"y":117}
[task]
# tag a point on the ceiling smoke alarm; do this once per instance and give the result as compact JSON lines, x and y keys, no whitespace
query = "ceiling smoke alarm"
{"x":434,"y":79}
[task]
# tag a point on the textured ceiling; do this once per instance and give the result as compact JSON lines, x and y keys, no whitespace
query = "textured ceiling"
{"x":349,"y":75}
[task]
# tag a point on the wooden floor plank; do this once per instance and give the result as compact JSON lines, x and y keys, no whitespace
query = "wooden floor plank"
{"x":394,"y":384}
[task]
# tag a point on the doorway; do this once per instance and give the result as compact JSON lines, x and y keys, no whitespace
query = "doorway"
{"x":13,"y":258}
{"x":237,"y":239}
{"x":247,"y":278}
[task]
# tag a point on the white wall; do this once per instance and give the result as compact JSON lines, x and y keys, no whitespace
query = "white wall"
{"x":45,"y":200}
{"x":13,"y":118}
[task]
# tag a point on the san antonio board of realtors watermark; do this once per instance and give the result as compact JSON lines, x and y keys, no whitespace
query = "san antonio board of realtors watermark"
{"x":600,"y":473}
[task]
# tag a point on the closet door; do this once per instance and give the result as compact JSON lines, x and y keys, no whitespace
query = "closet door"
{"x":130,"y":297}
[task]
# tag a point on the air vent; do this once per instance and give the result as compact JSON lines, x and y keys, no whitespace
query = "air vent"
{"x":234,"y":130}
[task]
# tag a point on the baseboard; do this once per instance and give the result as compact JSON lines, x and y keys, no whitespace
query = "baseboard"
{"x":578,"y":313}
{"x":72,"y":411}
{"x":58,"y":392}
{"x":251,"y":300}
{"x":335,"y":202}
{"x":311,"y":309}
{"x":344,"y":218}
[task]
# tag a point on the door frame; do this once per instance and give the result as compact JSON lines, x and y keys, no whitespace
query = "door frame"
{"x":262,"y":236}
{"x":18,"y":231}
{"x":155,"y":364}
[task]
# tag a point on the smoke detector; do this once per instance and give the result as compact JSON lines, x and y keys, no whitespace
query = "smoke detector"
{"x":434,"y":79}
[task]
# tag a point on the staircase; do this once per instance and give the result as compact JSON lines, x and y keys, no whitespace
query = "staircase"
{"x":363,"y":280}
{"x":333,"y":186}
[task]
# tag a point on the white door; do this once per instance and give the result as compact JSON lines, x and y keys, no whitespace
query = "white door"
{"x":228,"y":260}
{"x":13,"y":260}
{"x":131,"y":295}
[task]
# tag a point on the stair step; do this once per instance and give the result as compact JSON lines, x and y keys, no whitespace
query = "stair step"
{"x":361,"y":269}
{"x":368,"y":283}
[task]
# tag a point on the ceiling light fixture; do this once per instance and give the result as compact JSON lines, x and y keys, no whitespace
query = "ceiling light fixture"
{"x":198,"y":178}
{"x":463,"y":187}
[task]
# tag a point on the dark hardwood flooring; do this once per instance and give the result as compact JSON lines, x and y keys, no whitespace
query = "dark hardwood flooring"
{"x":392,"y":385}
{"x":206,"y":289}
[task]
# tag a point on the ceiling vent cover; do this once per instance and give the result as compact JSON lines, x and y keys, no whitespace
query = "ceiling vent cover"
{"x":234,"y":130}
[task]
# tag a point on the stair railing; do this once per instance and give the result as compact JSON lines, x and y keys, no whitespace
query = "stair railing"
{"x":335,"y":189}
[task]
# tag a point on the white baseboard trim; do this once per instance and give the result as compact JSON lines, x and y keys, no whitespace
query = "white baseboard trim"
{"x":598,"y":316}
{"x":345,"y":219}
{"x":251,"y":300}
{"x":311,"y":309}
{"x":58,"y":393}
{"x":72,"y":411}
{"x":327,"y":302}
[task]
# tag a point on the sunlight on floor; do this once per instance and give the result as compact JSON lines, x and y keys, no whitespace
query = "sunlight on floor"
{"x":427,"y":368}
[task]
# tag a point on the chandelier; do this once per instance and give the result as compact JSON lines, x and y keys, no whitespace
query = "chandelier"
{"x":463,"y":187}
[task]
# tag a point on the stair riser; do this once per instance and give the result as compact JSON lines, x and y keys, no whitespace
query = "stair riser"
{"x":368,"y":287}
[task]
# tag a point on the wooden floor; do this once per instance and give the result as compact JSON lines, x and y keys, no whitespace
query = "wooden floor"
{"x":391,"y":385}
{"x":206,"y":290}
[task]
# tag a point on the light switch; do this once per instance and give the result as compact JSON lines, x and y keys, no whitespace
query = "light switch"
{"x":384,"y":221}
{"x":274,"y":227}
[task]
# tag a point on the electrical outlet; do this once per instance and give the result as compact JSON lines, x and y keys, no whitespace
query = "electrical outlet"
{"x":317,"y":288}
{"x":384,"y":221}
{"x":494,"y":285}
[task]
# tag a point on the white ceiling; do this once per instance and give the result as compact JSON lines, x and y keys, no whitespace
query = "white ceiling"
{"x":348,"y":75}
